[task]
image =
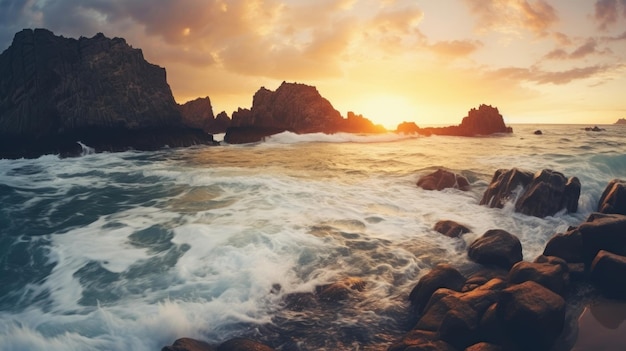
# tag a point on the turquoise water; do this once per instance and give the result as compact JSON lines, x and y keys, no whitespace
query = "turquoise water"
{"x":133,"y":250}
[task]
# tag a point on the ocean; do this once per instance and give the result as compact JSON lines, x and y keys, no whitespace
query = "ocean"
{"x":132,"y":250}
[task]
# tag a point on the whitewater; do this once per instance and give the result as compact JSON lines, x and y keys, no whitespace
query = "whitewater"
{"x":132,"y":250}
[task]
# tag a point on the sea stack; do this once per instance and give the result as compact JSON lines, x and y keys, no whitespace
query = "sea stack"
{"x":56,"y":91}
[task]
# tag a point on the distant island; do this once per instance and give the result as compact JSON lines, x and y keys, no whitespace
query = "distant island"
{"x":621,"y":121}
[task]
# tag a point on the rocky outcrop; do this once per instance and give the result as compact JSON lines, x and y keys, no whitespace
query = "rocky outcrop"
{"x":55,"y":91}
{"x":543,"y":194}
{"x":621,"y":121}
{"x":485,"y":120}
{"x":297,"y":108}
{"x":613,"y":199}
{"x":198,"y":114}
{"x":442,"y":179}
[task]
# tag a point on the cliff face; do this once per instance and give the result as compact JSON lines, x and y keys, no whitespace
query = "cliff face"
{"x":198,"y":113}
{"x":295,"y":107}
{"x":52,"y":86}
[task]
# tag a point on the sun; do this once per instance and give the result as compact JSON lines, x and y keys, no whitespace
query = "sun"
{"x":388,"y":110}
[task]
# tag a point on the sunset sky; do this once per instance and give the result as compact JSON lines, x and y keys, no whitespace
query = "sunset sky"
{"x":428,"y":61}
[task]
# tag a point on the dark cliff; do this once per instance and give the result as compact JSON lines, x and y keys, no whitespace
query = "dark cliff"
{"x":96,"y":90}
{"x":293,"y":107}
{"x":198,"y":113}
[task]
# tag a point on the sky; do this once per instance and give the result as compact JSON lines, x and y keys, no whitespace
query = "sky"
{"x":425,"y":61}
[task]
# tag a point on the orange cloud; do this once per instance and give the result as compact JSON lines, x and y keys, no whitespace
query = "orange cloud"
{"x":511,"y":16}
{"x":539,"y":76}
{"x":456,"y":48}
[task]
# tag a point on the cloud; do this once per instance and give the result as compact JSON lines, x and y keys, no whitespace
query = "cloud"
{"x":513,"y":16}
{"x":539,"y":76}
{"x":607,"y":12}
{"x":456,"y":48}
{"x":590,"y":47}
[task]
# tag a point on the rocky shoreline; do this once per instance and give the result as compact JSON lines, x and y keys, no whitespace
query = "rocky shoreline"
{"x":504,"y":303}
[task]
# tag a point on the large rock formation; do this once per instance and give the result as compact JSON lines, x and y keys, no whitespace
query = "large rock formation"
{"x":541,"y":194}
{"x":293,"y":107}
{"x":198,"y":114}
{"x":485,"y":120}
{"x":621,"y":121}
{"x":55,"y":91}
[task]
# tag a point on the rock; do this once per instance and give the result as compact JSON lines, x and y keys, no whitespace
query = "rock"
{"x":407,"y":128}
{"x":358,"y":124}
{"x":441,"y":276}
{"x":421,"y":340}
{"x":451,"y":229}
{"x":198,"y":114}
{"x":613,"y":199}
{"x":608,"y":271}
{"x":442,"y":179}
{"x":188,"y":344}
{"x":340,"y":290}
{"x":55,"y":91}
{"x":548,"y":193}
{"x":484,"y":346}
{"x":554,"y":276}
{"x":531,"y":315}
{"x":568,"y":246}
{"x":603,"y":232}
{"x":496,"y":247}
{"x":496,"y":278}
{"x":621,"y":121}
{"x":243,"y":344}
{"x":485,"y":120}
{"x":504,"y":186}
{"x":543,"y":194}
{"x":538,"y":132}
{"x":594,"y":129}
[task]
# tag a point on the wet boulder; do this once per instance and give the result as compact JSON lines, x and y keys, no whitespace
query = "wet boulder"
{"x":442,"y":179}
{"x":496,"y":247}
{"x":568,"y":246}
{"x":340,"y":290}
{"x":613,"y":199}
{"x":243,"y":344}
{"x":554,"y":276}
{"x":484,"y":346}
{"x":188,"y":344}
{"x":532,"y":316}
{"x":421,"y":340}
{"x":451,"y":229}
{"x":543,"y":194}
{"x":442,"y":276}
{"x":603,"y":232}
{"x":608,"y":271}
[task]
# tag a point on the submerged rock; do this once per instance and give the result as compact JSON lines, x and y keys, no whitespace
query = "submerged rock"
{"x":451,"y":229}
{"x":442,"y":179}
{"x":188,"y":344}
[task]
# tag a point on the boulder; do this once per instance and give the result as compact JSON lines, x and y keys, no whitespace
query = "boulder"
{"x":442,"y":179}
{"x":496,"y":247}
{"x":613,"y":199}
{"x":243,"y":344}
{"x":532,"y":316}
{"x":567,"y":246}
{"x":441,"y":276}
{"x":543,"y":194}
{"x":603,"y":232}
{"x":188,"y":344}
{"x":56,"y":91}
{"x":538,"y":132}
{"x":608,"y":271}
{"x":484,"y":346}
{"x":421,"y":340}
{"x":340,"y":290}
{"x":451,"y":229}
{"x":553,"y":275}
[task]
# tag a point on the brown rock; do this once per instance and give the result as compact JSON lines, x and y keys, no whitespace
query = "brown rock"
{"x":554,"y":276}
{"x":496,"y":247}
{"x":568,"y":246}
{"x":603,"y":232}
{"x":613,"y":199}
{"x":608,"y":271}
{"x":243,"y":344}
{"x":442,"y":179}
{"x":451,"y":229}
{"x":532,"y":316}
{"x":548,"y":193}
{"x":441,"y":276}
{"x":503,"y":186}
{"x":484,"y":346}
{"x":188,"y":344}
{"x":485,"y":120}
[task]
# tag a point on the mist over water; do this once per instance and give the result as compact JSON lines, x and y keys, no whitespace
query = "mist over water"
{"x":134,"y":250}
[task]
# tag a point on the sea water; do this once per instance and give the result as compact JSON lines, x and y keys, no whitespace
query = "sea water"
{"x":130,"y":251}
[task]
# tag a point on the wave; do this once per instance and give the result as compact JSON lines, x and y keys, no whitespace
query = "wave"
{"x":293,"y":138}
